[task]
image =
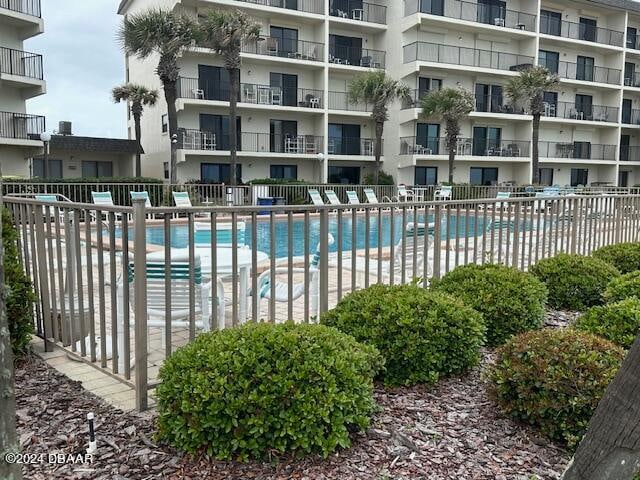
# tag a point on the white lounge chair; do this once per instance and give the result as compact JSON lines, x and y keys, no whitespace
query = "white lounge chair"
{"x":352,"y":196}
{"x":144,"y":195}
{"x":503,"y":196}
{"x":333,"y":198}
{"x":104,"y":199}
{"x":316,"y":198}
{"x":298,"y":289}
{"x":50,"y":198}
{"x":443,"y":193}
{"x":371,"y":196}
{"x":181,"y":199}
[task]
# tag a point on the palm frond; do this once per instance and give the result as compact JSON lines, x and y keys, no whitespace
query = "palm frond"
{"x":450,"y":104}
{"x":376,"y":88}
{"x":135,"y":94}
{"x":227,"y":31}
{"x":531,"y":84}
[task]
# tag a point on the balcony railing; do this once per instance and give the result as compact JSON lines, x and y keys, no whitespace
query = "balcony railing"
{"x":23,"y":64}
{"x":630,"y":153}
{"x":205,"y":89}
{"x":497,"y":104}
{"x":340,"y":101}
{"x":469,"y":57}
{"x":310,"y":6}
{"x":574,"y":71}
{"x":359,"y":11}
{"x":359,"y":57}
{"x":473,"y":12}
{"x":189,"y":139}
{"x":577,"y":150}
{"x":351,"y":146}
{"x":631,"y":117}
{"x":20,"y":125}
{"x":465,"y":147}
{"x":580,"y":31}
{"x":286,"y":48}
{"x":28,"y":7}
{"x":632,"y":79}
{"x":572,"y":111}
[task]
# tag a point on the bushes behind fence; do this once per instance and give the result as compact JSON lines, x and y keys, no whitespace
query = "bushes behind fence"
{"x":624,"y":256}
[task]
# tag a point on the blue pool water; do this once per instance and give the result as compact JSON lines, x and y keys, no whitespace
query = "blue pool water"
{"x":455,"y":227}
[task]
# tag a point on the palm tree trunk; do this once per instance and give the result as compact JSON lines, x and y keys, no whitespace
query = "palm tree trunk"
{"x":378,"y":151}
{"x":535,"y":152}
{"x":234,"y":74}
{"x":136,"y":121}
{"x":452,"y":145}
{"x":171,"y":95}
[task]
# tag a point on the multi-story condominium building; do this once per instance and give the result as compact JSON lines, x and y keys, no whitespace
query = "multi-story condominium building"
{"x":21,"y":78}
{"x":296,"y":120}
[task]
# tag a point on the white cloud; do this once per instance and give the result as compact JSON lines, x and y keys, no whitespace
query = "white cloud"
{"x":82,"y":62}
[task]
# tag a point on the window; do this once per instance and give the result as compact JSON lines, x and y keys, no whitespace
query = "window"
{"x":344,"y":175}
{"x":286,"y":40}
{"x":92,"y":169}
{"x":492,"y":12}
{"x":425,"y":85}
{"x":166,"y":170}
{"x":346,"y":49}
{"x":281,"y":131}
{"x":344,"y":139}
{"x":630,"y":74}
{"x":483,"y":176}
{"x":489,"y":98}
{"x":218,"y":125}
{"x":426,"y":176}
{"x":625,"y":148}
{"x":428,"y":137}
{"x":546,"y":176}
{"x":582,"y":150}
{"x":588,"y":29}
{"x":218,"y":172}
{"x":549,"y":60}
{"x":632,"y":38}
{"x":55,"y":168}
{"x":213,"y":84}
{"x":584,"y":106}
{"x":579,"y":176}
{"x":285,"y":172}
{"x":432,"y":7}
{"x":487,"y":141}
{"x":287,"y":85}
{"x":550,"y":23}
{"x":165,"y":123}
{"x":623,"y":178}
{"x":585,"y":68}
{"x":551,"y":103}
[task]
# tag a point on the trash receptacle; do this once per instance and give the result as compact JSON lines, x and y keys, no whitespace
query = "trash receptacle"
{"x":265,"y":201}
{"x":279,"y":201}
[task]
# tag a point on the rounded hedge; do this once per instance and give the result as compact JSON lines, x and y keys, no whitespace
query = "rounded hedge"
{"x":422,"y":335}
{"x":261,"y":389}
{"x":510,"y":301}
{"x":624,"y":256}
{"x":554,"y":379}
{"x":618,"y":322}
{"x":621,"y":288}
{"x":575,"y":282}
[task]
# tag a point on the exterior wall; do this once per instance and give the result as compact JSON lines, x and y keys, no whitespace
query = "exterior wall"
{"x":399,"y":32}
{"x":122,"y":164}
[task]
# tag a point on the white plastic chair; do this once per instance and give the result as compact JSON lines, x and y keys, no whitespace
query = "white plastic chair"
{"x":443,"y":193}
{"x":405,"y":195}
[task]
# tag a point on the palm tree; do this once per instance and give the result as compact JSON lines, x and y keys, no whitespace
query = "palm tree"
{"x":451,"y":105}
{"x":529,"y":87}
{"x":226,"y":32}
{"x":137,"y":96}
{"x":379,"y":90}
{"x":164,"y":33}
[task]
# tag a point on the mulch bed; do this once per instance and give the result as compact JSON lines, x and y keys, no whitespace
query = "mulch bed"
{"x":451,"y":431}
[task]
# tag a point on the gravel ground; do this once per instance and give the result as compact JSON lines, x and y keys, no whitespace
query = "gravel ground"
{"x":451,"y":431}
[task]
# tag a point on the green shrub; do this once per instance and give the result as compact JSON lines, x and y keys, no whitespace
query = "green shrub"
{"x":259,"y":389}
{"x":422,"y":335}
{"x":624,"y":256}
{"x":19,"y":291}
{"x":618,"y":322}
{"x":510,"y":301}
{"x":626,"y":286}
{"x":553,"y":379}
{"x":575,"y":282}
{"x":384,"y":178}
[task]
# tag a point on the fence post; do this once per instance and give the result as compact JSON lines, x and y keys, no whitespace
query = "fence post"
{"x":140,"y":299}
{"x":618,"y":219}
{"x":324,"y":262}
{"x":47,"y":327}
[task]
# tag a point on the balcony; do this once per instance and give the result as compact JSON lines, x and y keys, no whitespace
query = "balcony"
{"x":577,"y":151}
{"x":287,"y":48}
{"x":21,"y":126}
{"x":357,"y":57}
{"x":351,"y":146}
{"x":585,"y":73}
{"x":632,"y":79}
{"x":340,"y":101}
{"x":473,"y":12}
{"x":580,"y":31}
{"x":27,"y":7}
{"x":199,"y":140}
{"x":359,"y":11}
{"x":572,"y":111}
{"x":463,"y":56}
{"x":629,"y":153}
{"x":630,"y":117}
{"x":253,"y":94}
{"x":466,"y":147}
{"x":309,"y":6}
{"x":20,"y":64}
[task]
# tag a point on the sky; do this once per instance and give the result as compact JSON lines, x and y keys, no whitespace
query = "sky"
{"x":82,"y":63}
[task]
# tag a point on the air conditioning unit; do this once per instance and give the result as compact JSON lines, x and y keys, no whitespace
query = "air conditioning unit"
{"x":64,"y":128}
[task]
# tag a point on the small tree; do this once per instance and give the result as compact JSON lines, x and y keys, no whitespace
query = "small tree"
{"x":137,"y":97}
{"x":165,"y":33}
{"x":529,"y":87}
{"x":451,"y":105}
{"x":226,"y":32}
{"x":379,"y":90}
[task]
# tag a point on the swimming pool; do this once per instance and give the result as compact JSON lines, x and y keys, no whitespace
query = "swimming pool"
{"x":455,"y":226}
